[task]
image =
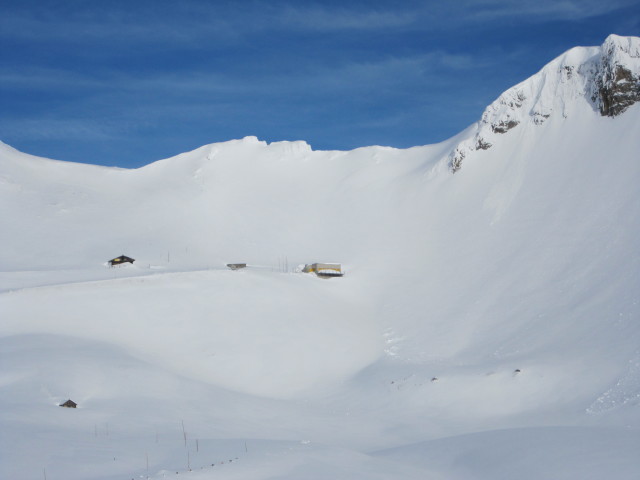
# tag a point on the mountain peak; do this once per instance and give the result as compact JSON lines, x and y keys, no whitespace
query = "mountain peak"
{"x":618,"y":78}
{"x":607,"y":77}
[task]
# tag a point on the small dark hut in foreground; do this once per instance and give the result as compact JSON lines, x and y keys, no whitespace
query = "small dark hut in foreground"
{"x":120,"y":260}
{"x":69,"y":404}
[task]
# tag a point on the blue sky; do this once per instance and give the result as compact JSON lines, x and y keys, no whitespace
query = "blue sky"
{"x":129,"y":82}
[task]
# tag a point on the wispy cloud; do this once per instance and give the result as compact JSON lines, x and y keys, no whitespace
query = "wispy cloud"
{"x":321,"y":18}
{"x":141,"y":23}
{"x":390,"y":70}
{"x":191,"y":22}
{"x":116,"y":104}
{"x":540,"y":10}
{"x":46,"y":78}
{"x":56,"y":128}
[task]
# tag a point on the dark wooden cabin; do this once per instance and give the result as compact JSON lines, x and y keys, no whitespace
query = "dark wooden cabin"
{"x":236,"y":266}
{"x":120,"y":260}
{"x":69,"y":404}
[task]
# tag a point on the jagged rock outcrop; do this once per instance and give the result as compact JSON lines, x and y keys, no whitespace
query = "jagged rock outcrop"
{"x":619,"y":90}
{"x":607,"y":76}
{"x":618,"y":79}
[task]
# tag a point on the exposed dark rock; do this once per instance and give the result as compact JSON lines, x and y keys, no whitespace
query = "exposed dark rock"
{"x":539,"y":118}
{"x":503,"y":126}
{"x":618,"y":89}
{"x":518,"y":100}
{"x":456,"y":161}
{"x":568,"y":71}
{"x":482,"y":144}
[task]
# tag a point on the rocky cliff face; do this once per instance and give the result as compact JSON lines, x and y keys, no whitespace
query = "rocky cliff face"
{"x":607,"y":76}
{"x":617,"y":82}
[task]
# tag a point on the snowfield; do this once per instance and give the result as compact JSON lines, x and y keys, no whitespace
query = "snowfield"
{"x":487,"y":326}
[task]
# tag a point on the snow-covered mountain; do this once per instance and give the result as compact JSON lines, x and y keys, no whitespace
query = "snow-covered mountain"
{"x":486,"y":327}
{"x":605,"y":77}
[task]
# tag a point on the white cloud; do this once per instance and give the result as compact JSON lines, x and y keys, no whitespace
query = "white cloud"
{"x":43,"y":78}
{"x":321,"y":18}
{"x":190,"y":22}
{"x":541,"y":10}
{"x":56,"y":128}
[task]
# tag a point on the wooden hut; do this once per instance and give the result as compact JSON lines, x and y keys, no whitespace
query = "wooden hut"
{"x":236,"y":266}
{"x":69,"y":404}
{"x":324,"y":269}
{"x":120,"y":260}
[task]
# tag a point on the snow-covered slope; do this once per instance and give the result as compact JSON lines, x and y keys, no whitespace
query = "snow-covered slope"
{"x":486,"y":327}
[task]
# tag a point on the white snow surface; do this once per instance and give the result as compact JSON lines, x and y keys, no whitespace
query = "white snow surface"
{"x":488,"y":325}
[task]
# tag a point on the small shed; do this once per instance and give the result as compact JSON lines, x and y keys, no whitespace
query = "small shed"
{"x":236,"y":266}
{"x":324,"y":269}
{"x":69,"y":404}
{"x":120,"y":260}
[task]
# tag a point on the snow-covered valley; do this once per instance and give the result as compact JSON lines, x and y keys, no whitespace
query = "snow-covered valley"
{"x":487,"y":325}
